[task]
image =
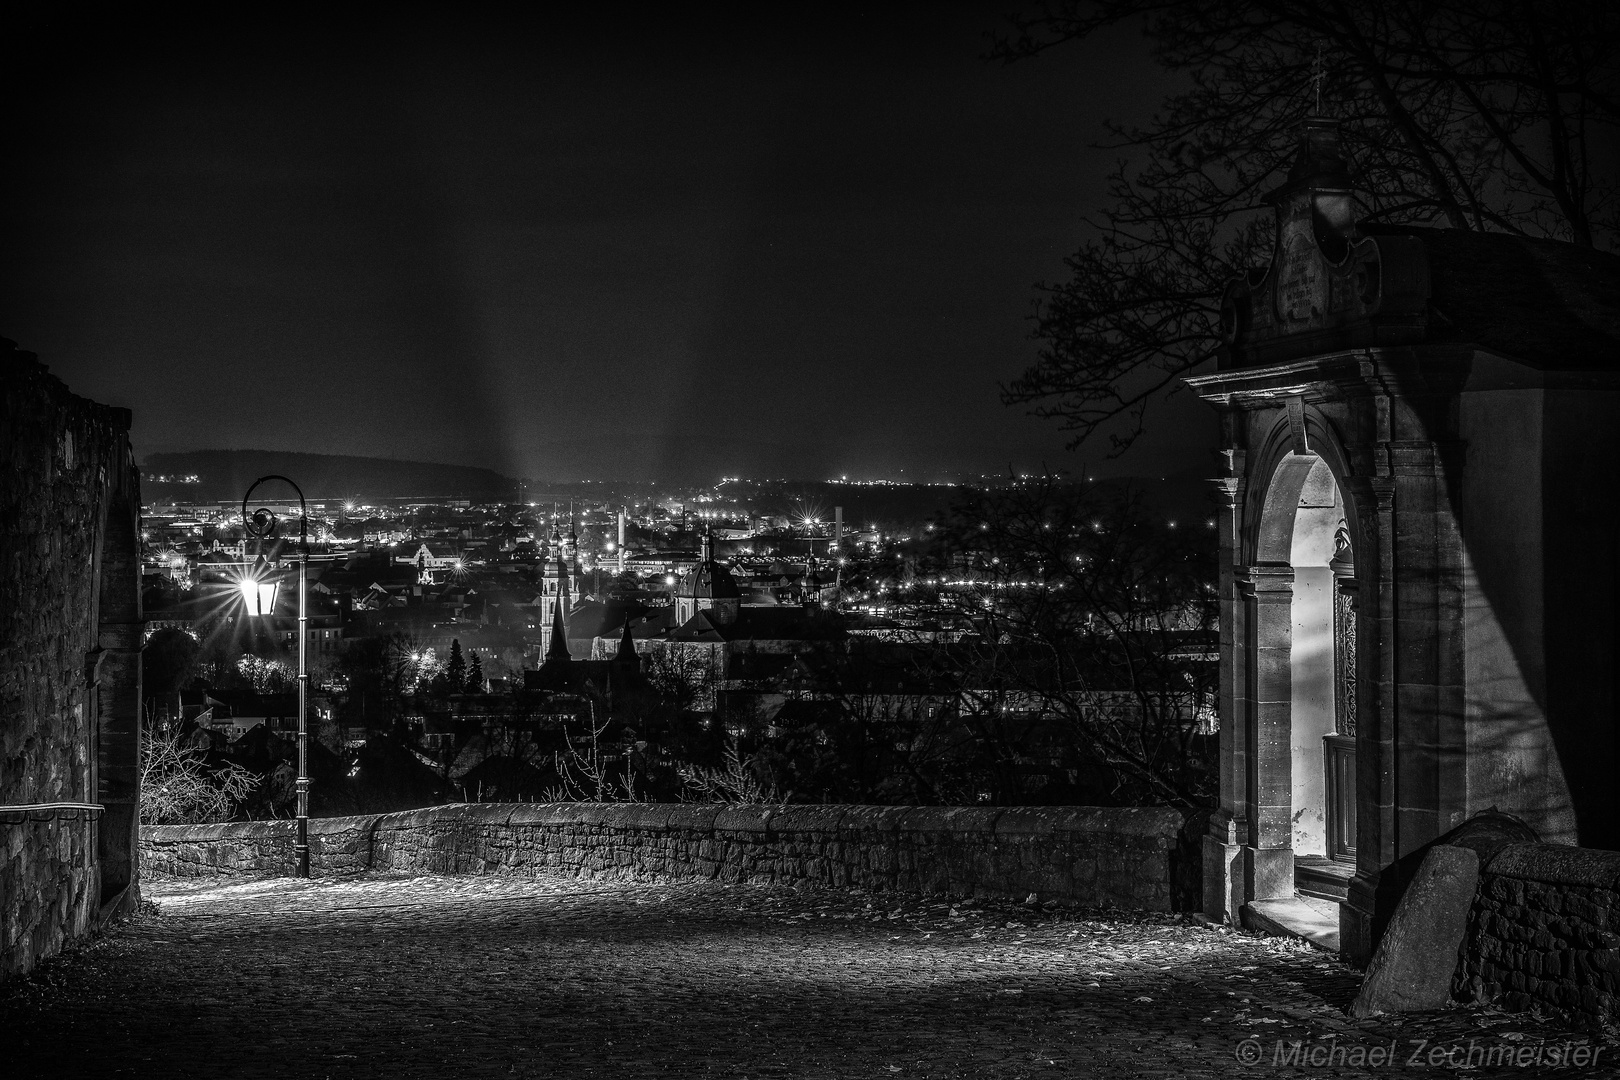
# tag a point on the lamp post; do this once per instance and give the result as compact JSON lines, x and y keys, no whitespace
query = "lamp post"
{"x":260,"y":597}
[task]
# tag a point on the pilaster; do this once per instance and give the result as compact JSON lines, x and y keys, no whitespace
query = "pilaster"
{"x":1269,"y":593}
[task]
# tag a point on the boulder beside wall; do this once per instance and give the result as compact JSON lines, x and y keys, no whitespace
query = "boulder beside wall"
{"x":1418,"y":956}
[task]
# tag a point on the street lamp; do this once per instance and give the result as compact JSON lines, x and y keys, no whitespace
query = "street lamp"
{"x":260,"y":596}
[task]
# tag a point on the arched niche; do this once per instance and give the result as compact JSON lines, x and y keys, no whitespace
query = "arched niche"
{"x":1318,"y":519}
{"x":1298,"y":539}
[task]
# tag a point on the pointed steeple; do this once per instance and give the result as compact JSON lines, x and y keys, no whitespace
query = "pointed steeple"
{"x":565,"y":582}
{"x":558,"y":649}
{"x":627,"y":647}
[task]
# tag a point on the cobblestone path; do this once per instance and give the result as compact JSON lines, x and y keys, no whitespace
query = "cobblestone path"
{"x":503,"y":977}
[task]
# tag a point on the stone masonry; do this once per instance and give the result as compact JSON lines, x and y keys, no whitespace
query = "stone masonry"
{"x":69,"y":659}
{"x":1127,"y":857}
{"x":1544,"y":934}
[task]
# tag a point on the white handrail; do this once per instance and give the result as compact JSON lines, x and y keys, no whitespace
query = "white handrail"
{"x":46,"y":811}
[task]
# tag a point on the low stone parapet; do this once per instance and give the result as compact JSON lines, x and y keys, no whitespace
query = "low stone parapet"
{"x":1126,"y":857}
{"x":1544,"y":933}
{"x":255,"y":848}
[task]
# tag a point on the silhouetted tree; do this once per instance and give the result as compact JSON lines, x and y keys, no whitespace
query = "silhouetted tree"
{"x":1095,"y":623}
{"x":455,"y":672}
{"x":475,"y":676}
{"x":168,"y":661}
{"x":1491,"y":116}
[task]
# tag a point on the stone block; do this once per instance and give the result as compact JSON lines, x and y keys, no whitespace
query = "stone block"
{"x":694,"y":817}
{"x":950,"y":819}
{"x":747,"y":819}
{"x":1418,"y":957}
{"x":585,"y":814}
{"x":495,"y":814}
{"x":646,"y":817}
{"x":814,"y":818}
{"x":867,"y":820}
{"x":409,"y":819}
{"x":1558,"y":865}
{"x":1602,"y":960}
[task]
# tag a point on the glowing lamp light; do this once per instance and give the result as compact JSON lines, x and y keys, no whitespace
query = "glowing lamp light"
{"x":259,"y":594}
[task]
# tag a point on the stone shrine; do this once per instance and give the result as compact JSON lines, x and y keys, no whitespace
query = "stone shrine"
{"x":1420,"y":604}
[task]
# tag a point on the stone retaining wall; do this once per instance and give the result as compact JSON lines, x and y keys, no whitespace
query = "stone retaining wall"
{"x":1127,"y":857}
{"x":1545,"y":933}
{"x":70,"y":637}
{"x":49,"y":889}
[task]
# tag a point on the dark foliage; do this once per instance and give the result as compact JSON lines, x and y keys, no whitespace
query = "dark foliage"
{"x":1495,"y":116}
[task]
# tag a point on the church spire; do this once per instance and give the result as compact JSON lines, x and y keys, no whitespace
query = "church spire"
{"x":558,"y":650}
{"x":627,"y":646}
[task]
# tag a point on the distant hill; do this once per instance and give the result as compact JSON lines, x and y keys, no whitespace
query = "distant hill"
{"x":226,"y":474}
{"x":1179,"y":498}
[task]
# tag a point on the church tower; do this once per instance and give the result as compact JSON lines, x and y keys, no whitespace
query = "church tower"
{"x":708,"y":587}
{"x":556,"y":590}
{"x":573,"y":553}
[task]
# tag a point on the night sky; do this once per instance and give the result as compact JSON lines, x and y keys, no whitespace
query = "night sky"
{"x":615,"y":249}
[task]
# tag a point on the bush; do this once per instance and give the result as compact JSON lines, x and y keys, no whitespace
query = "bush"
{"x":179,"y":787}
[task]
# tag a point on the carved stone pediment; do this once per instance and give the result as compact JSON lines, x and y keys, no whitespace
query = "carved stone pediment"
{"x":1329,"y":286}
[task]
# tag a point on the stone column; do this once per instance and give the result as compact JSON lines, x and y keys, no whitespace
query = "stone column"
{"x":1270,"y":627}
{"x":1431,"y":781}
{"x":1375,"y":677}
{"x":118,"y":686}
{"x":118,"y":705}
{"x":1228,"y":830}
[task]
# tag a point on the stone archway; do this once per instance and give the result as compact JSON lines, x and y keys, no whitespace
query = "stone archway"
{"x":1290,"y":788}
{"x":1305,"y":658}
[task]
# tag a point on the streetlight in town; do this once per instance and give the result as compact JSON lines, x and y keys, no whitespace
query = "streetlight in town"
{"x":259,"y":594}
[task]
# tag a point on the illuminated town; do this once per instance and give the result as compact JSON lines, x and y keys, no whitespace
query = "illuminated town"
{"x":1051,"y":539}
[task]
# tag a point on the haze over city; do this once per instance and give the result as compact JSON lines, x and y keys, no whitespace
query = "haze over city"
{"x":615,"y":248}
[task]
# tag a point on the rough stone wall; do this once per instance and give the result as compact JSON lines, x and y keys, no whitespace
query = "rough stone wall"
{"x":64,"y":463}
{"x":257,"y":848}
{"x":49,"y":889}
{"x":1544,"y":933}
{"x":1078,"y":855}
